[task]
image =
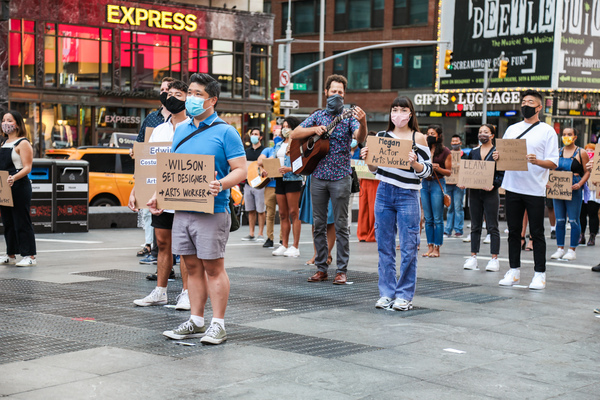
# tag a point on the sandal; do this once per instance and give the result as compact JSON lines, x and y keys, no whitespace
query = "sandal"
{"x":329,"y":260}
{"x":435,"y":255}
{"x":523,"y":243}
{"x":529,"y":246}
{"x":145,"y":251}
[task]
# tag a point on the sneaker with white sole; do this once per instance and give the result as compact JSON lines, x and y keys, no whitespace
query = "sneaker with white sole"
{"x":183,"y":301}
{"x":471,"y":264}
{"x":292,"y":252}
{"x":5,"y":259}
{"x":512,"y":277}
{"x":488,"y":239}
{"x":260,"y":238}
{"x":558,"y":254}
{"x":214,"y":335}
{"x":493,"y":265}
{"x":467,"y":239}
{"x":569,"y":255}
{"x":384,"y":302}
{"x":153,"y":299}
{"x":26,"y":262}
{"x":402,"y":305}
{"x":539,"y":281}
{"x":280,"y":251}
{"x":187,"y":330}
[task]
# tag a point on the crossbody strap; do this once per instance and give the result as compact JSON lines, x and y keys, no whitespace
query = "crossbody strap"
{"x":528,"y":129}
{"x":197,"y":131}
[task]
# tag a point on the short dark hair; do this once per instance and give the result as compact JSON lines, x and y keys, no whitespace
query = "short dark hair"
{"x":211,"y":85}
{"x":404,"y":102}
{"x":534,"y":93}
{"x":336,"y":78}
{"x":179,"y":85}
{"x":167,"y":79}
{"x":436,"y":128}
{"x":293,"y":122}
{"x":575,"y":131}
{"x":256,"y":128}
{"x":21,"y":129}
{"x":457,"y":136}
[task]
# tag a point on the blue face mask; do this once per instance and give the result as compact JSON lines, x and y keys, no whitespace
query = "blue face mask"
{"x":353,"y":144}
{"x":254,"y":139}
{"x":194,"y":105}
{"x":277,"y":139}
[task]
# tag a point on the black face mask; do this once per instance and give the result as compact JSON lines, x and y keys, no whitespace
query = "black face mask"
{"x":335,"y":104}
{"x":431,"y":140}
{"x":174,"y":105}
{"x":483,"y":138}
{"x":528,"y":111}
{"x":456,"y":147}
{"x":163,"y":97}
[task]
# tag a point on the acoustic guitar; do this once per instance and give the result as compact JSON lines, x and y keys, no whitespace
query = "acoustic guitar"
{"x":308,"y":152}
{"x":255,"y":178}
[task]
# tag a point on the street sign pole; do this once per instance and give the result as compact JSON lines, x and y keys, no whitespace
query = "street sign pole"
{"x":288,"y":54}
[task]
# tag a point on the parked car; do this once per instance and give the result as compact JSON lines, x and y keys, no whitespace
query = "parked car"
{"x":111,"y":172}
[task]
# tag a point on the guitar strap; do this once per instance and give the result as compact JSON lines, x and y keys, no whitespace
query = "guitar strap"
{"x":199,"y":130}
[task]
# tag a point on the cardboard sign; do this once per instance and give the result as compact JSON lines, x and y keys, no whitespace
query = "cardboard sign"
{"x":512,"y":154}
{"x":453,"y":178}
{"x":595,"y":174}
{"x":272,"y":165}
{"x":559,"y":185}
{"x":183,"y":182}
{"x":147,"y":134}
{"x":476,"y":174}
{"x":6,"y":199}
{"x":388,"y":152}
{"x":145,"y":170}
{"x":362,"y":170}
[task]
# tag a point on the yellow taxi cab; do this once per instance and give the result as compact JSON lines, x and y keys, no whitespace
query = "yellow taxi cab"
{"x":111,"y":172}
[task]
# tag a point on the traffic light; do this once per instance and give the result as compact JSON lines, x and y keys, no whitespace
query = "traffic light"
{"x":502,"y":68}
{"x":275,"y":102}
{"x":448,"y":59}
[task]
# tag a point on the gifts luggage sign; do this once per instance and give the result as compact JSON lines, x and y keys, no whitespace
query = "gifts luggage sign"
{"x":183,"y":182}
{"x":388,"y":152}
{"x":145,"y":169}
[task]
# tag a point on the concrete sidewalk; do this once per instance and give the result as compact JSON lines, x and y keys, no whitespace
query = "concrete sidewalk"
{"x":69,"y":328}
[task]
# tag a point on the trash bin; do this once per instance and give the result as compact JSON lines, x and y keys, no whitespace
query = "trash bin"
{"x":71,"y":196}
{"x":42,"y":202}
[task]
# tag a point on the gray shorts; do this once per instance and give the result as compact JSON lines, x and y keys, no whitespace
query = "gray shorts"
{"x":204,"y":235}
{"x":254,"y":199}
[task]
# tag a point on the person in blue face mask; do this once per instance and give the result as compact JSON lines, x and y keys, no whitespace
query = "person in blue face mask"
{"x":254,"y":198}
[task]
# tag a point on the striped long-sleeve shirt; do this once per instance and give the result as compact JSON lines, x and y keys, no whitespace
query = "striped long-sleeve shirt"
{"x":406,"y":178}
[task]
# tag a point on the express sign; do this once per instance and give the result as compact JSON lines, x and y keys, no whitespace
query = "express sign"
{"x":152,"y":18}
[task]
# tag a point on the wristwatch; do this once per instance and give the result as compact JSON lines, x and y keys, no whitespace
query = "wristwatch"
{"x":220,"y":186}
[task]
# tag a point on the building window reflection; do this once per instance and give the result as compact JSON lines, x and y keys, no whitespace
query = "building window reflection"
{"x":22,"y":52}
{"x":214,"y":57}
{"x":259,"y":70}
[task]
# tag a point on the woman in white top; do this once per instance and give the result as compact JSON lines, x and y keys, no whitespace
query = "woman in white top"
{"x":397,"y":207}
{"x":16,"y":157}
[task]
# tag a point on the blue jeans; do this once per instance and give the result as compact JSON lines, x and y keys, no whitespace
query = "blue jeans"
{"x":432,"y":201}
{"x":397,"y":208}
{"x":456,"y":214}
{"x":572,"y":209}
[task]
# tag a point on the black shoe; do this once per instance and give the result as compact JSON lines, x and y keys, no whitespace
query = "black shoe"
{"x":582,"y":239}
{"x":592,"y":241}
{"x":596,"y":268}
{"x":552,"y":234}
{"x":153,"y":277}
{"x":268,"y":244}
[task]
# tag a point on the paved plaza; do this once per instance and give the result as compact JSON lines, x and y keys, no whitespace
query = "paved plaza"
{"x":69,"y":328}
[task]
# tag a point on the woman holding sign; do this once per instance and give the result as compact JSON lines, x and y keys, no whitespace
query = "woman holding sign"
{"x":432,"y":192}
{"x":397,"y":207}
{"x":485,"y":201}
{"x":571,"y":158}
{"x":16,"y":157}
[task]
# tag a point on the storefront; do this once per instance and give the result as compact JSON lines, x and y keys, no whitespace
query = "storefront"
{"x":79,"y":70}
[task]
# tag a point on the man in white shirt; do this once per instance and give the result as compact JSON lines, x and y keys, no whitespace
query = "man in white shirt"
{"x":526,"y":190}
{"x":163,"y":223}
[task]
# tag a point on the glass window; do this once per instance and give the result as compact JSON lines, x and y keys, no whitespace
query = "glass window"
{"x":305,"y":17}
{"x":311,"y":76}
{"x":214,"y":57}
{"x":127,"y":164}
{"x":59,"y":124}
{"x":31,"y":118}
{"x":410,"y":12}
{"x":358,"y":14}
{"x":21,"y":53}
{"x":146,"y":58}
{"x":363,"y":70}
{"x":104,"y":163}
{"x":412,"y":67}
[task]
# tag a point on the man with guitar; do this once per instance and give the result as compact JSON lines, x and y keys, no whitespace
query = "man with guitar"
{"x":331,"y":179}
{"x":254,"y":194}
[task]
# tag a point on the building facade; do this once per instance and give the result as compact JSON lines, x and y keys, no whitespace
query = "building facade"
{"x":79,"y":70}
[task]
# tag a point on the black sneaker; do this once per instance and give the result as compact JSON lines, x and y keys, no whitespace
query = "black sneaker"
{"x":596,"y":268}
{"x":153,"y":277}
{"x":552,"y":234}
{"x":268,"y":244}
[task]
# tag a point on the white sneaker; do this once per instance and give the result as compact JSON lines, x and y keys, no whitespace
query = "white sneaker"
{"x":402,"y":305}
{"x":260,"y":239}
{"x":539,"y":281}
{"x":493,"y":265}
{"x":183,"y":301}
{"x":467,"y":239}
{"x":471,"y":264}
{"x":488,"y":239}
{"x":292,"y":252}
{"x":512,"y":277}
{"x":558,"y":254}
{"x":280,"y":251}
{"x":26,"y":262}
{"x":484,"y":225}
{"x":384,"y":302}
{"x":153,"y":299}
{"x":5,"y":259}
{"x":570,"y":255}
